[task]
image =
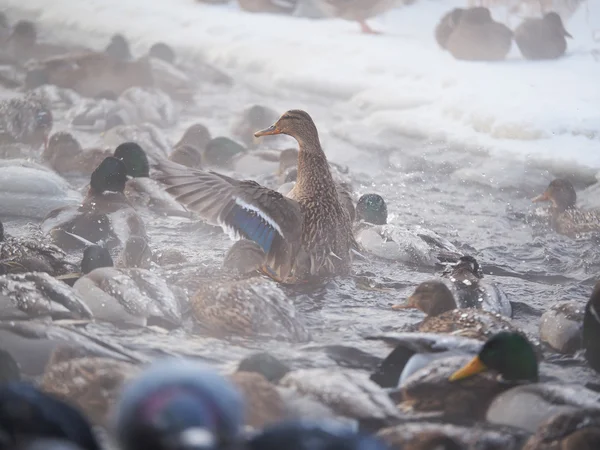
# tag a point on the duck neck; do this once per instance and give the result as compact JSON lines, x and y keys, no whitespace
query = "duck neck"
{"x":314,"y":176}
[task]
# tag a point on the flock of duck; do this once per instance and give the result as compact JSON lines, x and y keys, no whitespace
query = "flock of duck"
{"x":463,"y":378}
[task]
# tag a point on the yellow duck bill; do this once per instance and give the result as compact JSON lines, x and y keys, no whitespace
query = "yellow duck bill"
{"x":474,"y":367}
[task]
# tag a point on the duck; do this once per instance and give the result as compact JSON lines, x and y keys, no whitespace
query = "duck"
{"x":579,"y":430}
{"x":189,"y":149}
{"x":140,"y":189}
{"x":105,"y":215}
{"x":591,"y":329}
{"x":542,"y":38}
{"x":358,"y":11}
{"x":31,"y":254}
{"x":561,"y":327}
{"x":377,"y":237}
{"x":41,"y":415}
{"x":26,"y":120}
{"x":118,"y":48}
{"x":160,"y":50}
{"x":471,"y":292}
{"x":305,"y":235}
{"x":178,"y":403}
{"x":477,"y":37}
{"x":256,"y":117}
{"x":90,"y":383}
{"x":127,"y":296}
{"x":565,"y":217}
{"x":447,"y":25}
{"x":268,"y":6}
{"x":65,"y":155}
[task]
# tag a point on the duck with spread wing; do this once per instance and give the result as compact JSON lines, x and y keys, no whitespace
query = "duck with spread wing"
{"x":304,"y":235}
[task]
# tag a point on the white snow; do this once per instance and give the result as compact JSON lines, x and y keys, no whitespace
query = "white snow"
{"x":397,"y":82}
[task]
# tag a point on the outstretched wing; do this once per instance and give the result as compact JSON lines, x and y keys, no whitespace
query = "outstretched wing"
{"x":244,"y":209}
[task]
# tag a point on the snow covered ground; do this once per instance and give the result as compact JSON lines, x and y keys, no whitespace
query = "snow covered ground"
{"x":398,"y":82}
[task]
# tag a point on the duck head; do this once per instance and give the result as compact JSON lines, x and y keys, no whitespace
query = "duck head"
{"x":110,"y":175}
{"x":554,"y":20}
{"x":371,"y":208}
{"x":266,"y":365}
{"x":118,"y":48}
{"x":95,"y":257}
{"x":470,"y":264}
{"x":136,"y":253}
{"x":179,"y":404}
{"x":160,"y":50}
{"x":61,"y":145}
{"x":508,"y":353}
{"x":560,"y":193}
{"x":196,"y":136}
{"x":295,"y":123}
{"x":431,"y":297}
{"x":135,"y":159}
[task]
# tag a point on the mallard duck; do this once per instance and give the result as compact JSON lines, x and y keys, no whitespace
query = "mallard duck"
{"x":560,"y":327}
{"x":27,"y":120}
{"x":28,"y":413}
{"x":374,"y":234}
{"x":92,"y":384}
{"x":162,"y":51}
{"x":65,"y":155}
{"x":104,"y":215}
{"x":306,"y":234}
{"x":446,"y":26}
{"x":566,"y":218}
{"x":358,"y":10}
{"x":431,"y":297}
{"x":542,"y":38}
{"x":23,"y":43}
{"x":477,"y":37}
{"x":178,"y":404}
{"x":591,"y":329}
{"x":129,"y":296}
{"x":268,"y":6}
{"x":140,"y":189}
{"x":188,"y":150}
{"x":118,"y":48}
{"x":263,"y":404}
{"x":471,"y":292}
{"x":578,"y":430}
{"x":254,"y":118}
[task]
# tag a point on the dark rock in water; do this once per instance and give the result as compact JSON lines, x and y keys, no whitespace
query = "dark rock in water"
{"x":561,"y":327}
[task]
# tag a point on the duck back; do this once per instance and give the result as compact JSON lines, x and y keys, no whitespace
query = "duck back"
{"x":537,"y":40}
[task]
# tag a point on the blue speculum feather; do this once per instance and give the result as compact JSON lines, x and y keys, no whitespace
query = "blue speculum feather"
{"x":253,"y":227}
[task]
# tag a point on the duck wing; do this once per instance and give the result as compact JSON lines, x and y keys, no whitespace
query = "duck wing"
{"x":243,"y":209}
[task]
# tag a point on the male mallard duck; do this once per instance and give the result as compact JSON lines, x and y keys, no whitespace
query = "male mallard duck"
{"x":179,"y":404}
{"x":27,"y":120}
{"x":471,"y":292}
{"x":19,"y":255}
{"x":140,"y":189}
{"x":28,"y":413}
{"x":477,"y":37}
{"x":65,"y":155}
{"x":446,"y":26}
{"x":591,"y":329}
{"x":390,"y":242}
{"x":268,"y":6}
{"x":306,"y":234}
{"x":126,"y":295}
{"x":91,"y":383}
{"x":104,"y":215}
{"x":359,"y":10}
{"x":542,"y":38}
{"x":566,"y":218}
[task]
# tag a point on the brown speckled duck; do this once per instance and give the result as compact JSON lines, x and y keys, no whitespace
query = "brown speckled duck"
{"x":477,"y":37}
{"x":542,"y":38}
{"x":566,"y":218}
{"x":306,"y":234}
{"x":65,"y":155}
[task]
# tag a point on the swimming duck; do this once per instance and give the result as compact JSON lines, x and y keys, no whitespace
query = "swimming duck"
{"x":27,"y":413}
{"x":306,"y":234}
{"x":263,"y":404}
{"x":268,"y":6}
{"x":447,"y":25}
{"x":431,"y":297}
{"x":477,"y":37}
{"x":566,"y":218}
{"x":27,"y":120}
{"x":189,"y":149}
{"x":591,"y":329}
{"x":128,"y":296}
{"x":542,"y":38}
{"x":471,"y":292}
{"x":390,"y":242}
{"x":578,"y":430}
{"x":162,"y":51}
{"x":254,"y":118}
{"x":141,"y":190}
{"x":118,"y":48}
{"x":179,"y":404}
{"x":65,"y":155}
{"x":104,"y":215}
{"x":93,"y":384}
{"x":358,"y":10}
{"x":19,"y":255}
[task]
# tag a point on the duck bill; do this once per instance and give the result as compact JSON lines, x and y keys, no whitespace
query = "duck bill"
{"x":267,"y":131}
{"x":410,"y":304}
{"x":474,"y":367}
{"x":541,"y":198}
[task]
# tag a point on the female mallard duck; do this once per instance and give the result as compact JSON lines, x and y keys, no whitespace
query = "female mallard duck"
{"x":359,"y":10}
{"x":26,"y":120}
{"x":268,"y":6}
{"x":93,"y":384}
{"x":65,"y":155}
{"x":141,"y":190}
{"x":477,"y":37}
{"x":446,"y":26}
{"x":19,"y":255}
{"x":189,"y":149}
{"x":104,"y":215}
{"x":306,"y":234}
{"x":566,"y":218}
{"x":542,"y":38}
{"x":129,"y":296}
{"x":591,"y":329}
{"x":471,"y":292}
{"x":374,"y":234}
